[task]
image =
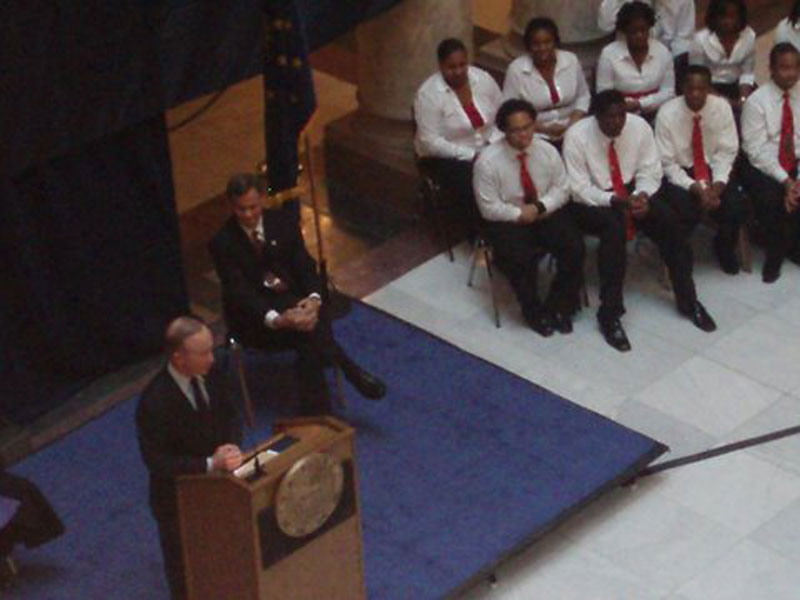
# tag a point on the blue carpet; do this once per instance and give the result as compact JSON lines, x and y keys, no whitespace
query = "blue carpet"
{"x":461,"y":465}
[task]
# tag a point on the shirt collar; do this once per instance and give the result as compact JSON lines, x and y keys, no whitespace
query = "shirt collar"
{"x":184,"y":382}
{"x":259,"y":229}
{"x":442,"y":86}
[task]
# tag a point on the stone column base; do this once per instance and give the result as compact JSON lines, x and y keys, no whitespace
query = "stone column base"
{"x":371,"y":174}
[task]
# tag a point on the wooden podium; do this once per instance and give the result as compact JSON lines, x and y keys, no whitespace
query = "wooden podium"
{"x":234,"y":529}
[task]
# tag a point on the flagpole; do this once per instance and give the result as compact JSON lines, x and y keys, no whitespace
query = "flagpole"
{"x":312,"y":189}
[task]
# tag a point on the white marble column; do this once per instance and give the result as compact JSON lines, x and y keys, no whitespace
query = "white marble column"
{"x":576,"y":19}
{"x":397,"y":52}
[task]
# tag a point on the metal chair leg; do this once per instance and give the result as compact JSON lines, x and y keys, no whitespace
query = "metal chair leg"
{"x":473,"y":262}
{"x":340,"y":399}
{"x":238,"y":358}
{"x":745,"y":253}
{"x":488,"y":258}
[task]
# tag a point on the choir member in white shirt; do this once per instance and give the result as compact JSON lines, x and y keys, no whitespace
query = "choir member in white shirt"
{"x":614,"y":172}
{"x":675,"y":21}
{"x":675,"y":24}
{"x":521,"y":188}
{"x":637,"y":65}
{"x":697,"y":140}
{"x":788,"y":30}
{"x":770,"y":139}
{"x":549,"y":78}
{"x":454,"y":110}
{"x":727,"y":46}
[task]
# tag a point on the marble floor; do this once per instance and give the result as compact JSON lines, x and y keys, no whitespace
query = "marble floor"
{"x":725,"y":528}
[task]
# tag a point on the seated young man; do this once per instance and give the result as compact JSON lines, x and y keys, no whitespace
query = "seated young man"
{"x":770,"y":126}
{"x":521,"y":189}
{"x":697,"y":140}
{"x":615,"y":176}
{"x":272,"y":295}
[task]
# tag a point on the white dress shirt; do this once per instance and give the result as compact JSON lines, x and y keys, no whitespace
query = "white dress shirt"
{"x":761,"y":127}
{"x":586,"y":158}
{"x":616,"y":70}
{"x":675,"y":21}
{"x":443,"y":127}
{"x":271,"y":315}
{"x":185,"y":385}
{"x":706,"y":49}
{"x":498,"y":185}
{"x":786,"y":32}
{"x":523,"y":80}
{"x":674,"y":127}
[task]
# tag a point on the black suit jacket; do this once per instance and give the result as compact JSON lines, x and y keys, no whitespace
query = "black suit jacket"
{"x":175,"y":439}
{"x":241,"y":271}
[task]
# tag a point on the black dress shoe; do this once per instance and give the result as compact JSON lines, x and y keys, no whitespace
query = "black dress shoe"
{"x":699,"y":316}
{"x":771,"y":271}
{"x":367,"y":384}
{"x":541,"y":323}
{"x":562,"y":323}
{"x":728,"y":261}
{"x":614,"y":334}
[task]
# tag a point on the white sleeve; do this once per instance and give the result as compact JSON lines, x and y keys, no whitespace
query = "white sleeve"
{"x":487,"y":194}
{"x":754,"y":141}
{"x":430,"y":141}
{"x":578,"y":175}
{"x":583,"y":97}
{"x":649,"y":172}
{"x":748,"y":76}
{"x":696,"y":54}
{"x":684,"y":28}
{"x":604,"y":79}
{"x":607,"y":15}
{"x":665,"y":91}
{"x":512,"y":84}
{"x":728,"y":149}
{"x":668,"y":152}
{"x":558,"y":193}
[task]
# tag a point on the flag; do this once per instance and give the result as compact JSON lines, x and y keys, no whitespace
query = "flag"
{"x":289,"y":98}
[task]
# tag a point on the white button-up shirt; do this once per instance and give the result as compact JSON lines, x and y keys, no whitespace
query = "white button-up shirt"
{"x":616,"y":70}
{"x":739,"y":67}
{"x":586,"y":157}
{"x":498,"y":184}
{"x":443,"y":127}
{"x":523,"y":80}
{"x":761,"y":127}
{"x":786,"y":32}
{"x":675,"y":21}
{"x":674,"y":127}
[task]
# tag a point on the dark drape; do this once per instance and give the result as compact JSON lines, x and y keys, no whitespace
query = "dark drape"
{"x":92,"y":264}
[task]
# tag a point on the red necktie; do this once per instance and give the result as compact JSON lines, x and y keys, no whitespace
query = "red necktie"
{"x":474,"y":115}
{"x":619,"y":189}
{"x":700,"y":166}
{"x":554,"y":97}
{"x":786,"y":154}
{"x":528,"y":189}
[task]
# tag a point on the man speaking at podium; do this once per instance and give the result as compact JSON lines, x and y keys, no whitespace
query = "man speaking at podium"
{"x":186,"y":424}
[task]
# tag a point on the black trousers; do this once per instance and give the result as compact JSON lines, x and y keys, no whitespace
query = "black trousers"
{"x":662,"y":225}
{"x":781,"y":229}
{"x":517,"y":250}
{"x":316,"y":350}
{"x":170,"y":537}
{"x":455,"y":178}
{"x":34,"y":523}
{"x":733,"y":211}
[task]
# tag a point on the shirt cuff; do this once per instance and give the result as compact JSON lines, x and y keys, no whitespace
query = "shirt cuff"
{"x":209,"y":464}
{"x":270,"y":318}
{"x":315,"y":295}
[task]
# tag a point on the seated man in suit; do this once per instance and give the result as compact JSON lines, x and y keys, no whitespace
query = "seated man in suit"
{"x":272,"y":295}
{"x":771,"y":140}
{"x":615,"y":176}
{"x":696,"y":137}
{"x":186,"y":424}
{"x":521,"y":187}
